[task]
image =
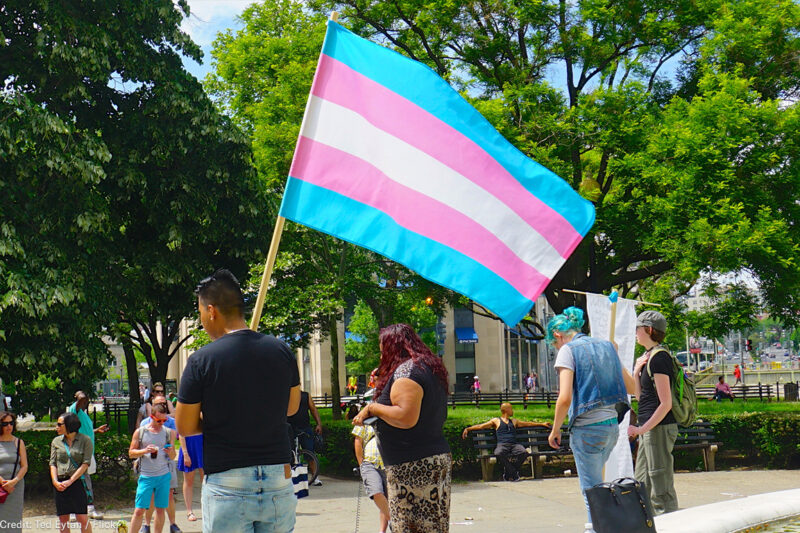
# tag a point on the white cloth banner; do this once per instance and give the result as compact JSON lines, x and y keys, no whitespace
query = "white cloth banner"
{"x":598,"y":307}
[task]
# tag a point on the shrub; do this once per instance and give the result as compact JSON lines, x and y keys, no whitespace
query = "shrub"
{"x":773,"y":437}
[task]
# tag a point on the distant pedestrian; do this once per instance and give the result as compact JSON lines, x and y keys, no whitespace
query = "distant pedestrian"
{"x":737,"y":373}
{"x":152,"y":446}
{"x":411,"y":407}
{"x":244,"y":384}
{"x":13,"y":467}
{"x":70,"y":455}
{"x":528,"y":383}
{"x":80,"y":407}
{"x":476,"y":388}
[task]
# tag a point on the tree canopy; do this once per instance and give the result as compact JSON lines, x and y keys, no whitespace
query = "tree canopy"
{"x":676,"y":118}
{"x":123,"y":186}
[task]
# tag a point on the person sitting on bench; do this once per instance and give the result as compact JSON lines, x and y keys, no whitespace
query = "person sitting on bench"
{"x":722,"y":391}
{"x":510,"y":454}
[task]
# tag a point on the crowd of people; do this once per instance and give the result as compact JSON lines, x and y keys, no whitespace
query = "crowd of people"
{"x":241,"y":447}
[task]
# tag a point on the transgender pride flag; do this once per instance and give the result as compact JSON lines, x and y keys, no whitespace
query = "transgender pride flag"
{"x":391,"y":158}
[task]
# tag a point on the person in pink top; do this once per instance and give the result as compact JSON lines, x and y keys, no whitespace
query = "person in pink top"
{"x":722,"y":390}
{"x":476,"y":387}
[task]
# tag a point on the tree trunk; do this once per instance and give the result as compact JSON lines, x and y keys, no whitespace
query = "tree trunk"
{"x":161,"y":358}
{"x":133,"y":383}
{"x":333,"y":333}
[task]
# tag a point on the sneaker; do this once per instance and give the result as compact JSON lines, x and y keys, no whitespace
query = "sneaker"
{"x":317,"y":483}
{"x":174,"y":529}
{"x":145,"y":529}
{"x":95,"y":514}
{"x":587,"y":528}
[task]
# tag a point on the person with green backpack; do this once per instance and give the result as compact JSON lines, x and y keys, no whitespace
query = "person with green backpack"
{"x":654,"y":375}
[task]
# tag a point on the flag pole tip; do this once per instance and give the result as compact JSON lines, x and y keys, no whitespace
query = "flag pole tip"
{"x":335,"y":16}
{"x":614,"y":296}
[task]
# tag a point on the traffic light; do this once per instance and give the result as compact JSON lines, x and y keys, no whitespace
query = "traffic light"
{"x":748,"y":345}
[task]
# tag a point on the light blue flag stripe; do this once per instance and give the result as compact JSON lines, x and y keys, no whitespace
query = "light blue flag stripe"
{"x":371,"y":228}
{"x":421,"y":85}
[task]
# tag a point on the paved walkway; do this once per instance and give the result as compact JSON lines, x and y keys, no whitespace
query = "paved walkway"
{"x":530,"y":506}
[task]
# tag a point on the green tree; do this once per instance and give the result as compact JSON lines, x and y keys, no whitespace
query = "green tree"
{"x":123,"y":184}
{"x":664,"y":114}
{"x":364,"y":347}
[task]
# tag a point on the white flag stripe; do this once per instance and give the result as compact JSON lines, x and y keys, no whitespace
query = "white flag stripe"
{"x":598,"y":307}
{"x":413,"y":168}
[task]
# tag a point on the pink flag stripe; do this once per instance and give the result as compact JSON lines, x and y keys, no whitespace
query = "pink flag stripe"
{"x":343,"y":173}
{"x":340,"y":84}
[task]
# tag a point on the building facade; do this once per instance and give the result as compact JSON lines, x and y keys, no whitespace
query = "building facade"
{"x":474,"y":345}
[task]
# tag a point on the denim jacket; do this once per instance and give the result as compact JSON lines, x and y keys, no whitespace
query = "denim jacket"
{"x":598,"y":376}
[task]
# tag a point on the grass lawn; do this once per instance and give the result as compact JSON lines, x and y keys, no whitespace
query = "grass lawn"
{"x":464,"y":415}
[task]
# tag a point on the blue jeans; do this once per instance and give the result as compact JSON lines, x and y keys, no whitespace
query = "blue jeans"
{"x":253,"y":499}
{"x":591,"y":447}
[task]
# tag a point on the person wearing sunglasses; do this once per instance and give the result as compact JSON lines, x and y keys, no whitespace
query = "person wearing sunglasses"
{"x":70,"y":455}
{"x":244,"y":384}
{"x":145,"y":409}
{"x":152,"y":446}
{"x":159,"y":390}
{"x":80,"y":407}
{"x":13,"y":466}
{"x":160,"y":399}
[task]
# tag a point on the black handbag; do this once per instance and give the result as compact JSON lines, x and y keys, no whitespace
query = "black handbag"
{"x":622,"y":505}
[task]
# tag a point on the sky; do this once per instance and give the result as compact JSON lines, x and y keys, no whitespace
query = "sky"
{"x":207,"y":19}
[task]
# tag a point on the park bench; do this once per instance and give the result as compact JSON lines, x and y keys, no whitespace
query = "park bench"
{"x":740,"y":392}
{"x":533,"y":439}
{"x":699,"y":436}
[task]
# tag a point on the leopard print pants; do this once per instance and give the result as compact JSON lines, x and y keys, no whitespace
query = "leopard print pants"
{"x":419,"y":494}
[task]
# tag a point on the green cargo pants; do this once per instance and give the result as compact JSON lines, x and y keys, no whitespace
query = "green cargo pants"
{"x":654,"y":467}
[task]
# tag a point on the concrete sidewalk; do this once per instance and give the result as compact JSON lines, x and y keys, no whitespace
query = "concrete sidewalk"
{"x":535,"y":506}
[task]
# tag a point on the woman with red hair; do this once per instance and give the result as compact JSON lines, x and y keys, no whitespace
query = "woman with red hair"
{"x":411,"y":408}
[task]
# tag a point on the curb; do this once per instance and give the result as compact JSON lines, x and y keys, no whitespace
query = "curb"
{"x":733,"y":515}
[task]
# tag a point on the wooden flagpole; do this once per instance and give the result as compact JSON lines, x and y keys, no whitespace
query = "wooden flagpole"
{"x":273,"y":249}
{"x":262,"y":290}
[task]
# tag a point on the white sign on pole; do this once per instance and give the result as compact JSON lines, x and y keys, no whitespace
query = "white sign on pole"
{"x":598,"y":308}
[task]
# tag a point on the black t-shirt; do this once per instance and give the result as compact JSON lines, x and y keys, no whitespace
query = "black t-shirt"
{"x":426,"y":437}
{"x":660,"y":363}
{"x":242,"y":381}
{"x":301,"y":420}
{"x":506,"y":433}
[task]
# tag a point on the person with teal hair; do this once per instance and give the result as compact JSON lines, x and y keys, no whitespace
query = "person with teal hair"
{"x":591,"y":382}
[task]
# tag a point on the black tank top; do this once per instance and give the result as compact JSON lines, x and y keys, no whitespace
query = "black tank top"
{"x":300,"y":419}
{"x":506,"y":432}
